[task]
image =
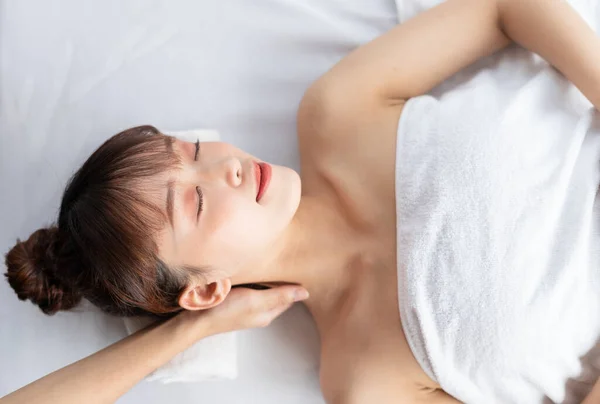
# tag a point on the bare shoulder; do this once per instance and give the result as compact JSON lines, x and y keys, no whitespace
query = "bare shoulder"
{"x":333,"y":121}
{"x":398,"y":394}
{"x":367,"y":390}
{"x":365,"y":358}
{"x":365,"y":372}
{"x":347,"y":141}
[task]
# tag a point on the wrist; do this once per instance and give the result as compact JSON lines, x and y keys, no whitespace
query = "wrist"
{"x":190,"y":326}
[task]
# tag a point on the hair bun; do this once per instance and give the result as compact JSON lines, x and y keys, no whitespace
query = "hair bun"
{"x":31,"y":272}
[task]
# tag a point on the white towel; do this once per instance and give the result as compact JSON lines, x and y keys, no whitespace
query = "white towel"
{"x":212,"y":358}
{"x":497,"y":176}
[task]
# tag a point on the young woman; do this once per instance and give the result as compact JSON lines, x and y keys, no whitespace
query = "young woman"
{"x":153,"y":225}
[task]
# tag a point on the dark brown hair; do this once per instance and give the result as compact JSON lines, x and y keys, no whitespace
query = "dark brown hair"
{"x":103,"y":247}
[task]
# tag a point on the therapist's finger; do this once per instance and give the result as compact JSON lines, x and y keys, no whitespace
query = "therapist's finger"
{"x":282,"y":296}
{"x":275,"y":301}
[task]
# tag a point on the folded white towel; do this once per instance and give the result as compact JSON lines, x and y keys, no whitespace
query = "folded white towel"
{"x":212,"y":358}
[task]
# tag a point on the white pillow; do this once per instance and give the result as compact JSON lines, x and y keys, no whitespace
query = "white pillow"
{"x":212,"y":358}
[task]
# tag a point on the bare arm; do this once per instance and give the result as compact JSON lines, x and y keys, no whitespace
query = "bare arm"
{"x":555,"y":31}
{"x":415,"y":56}
{"x":106,"y":375}
{"x":362,"y":95}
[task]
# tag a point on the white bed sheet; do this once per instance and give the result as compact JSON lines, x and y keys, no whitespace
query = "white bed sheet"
{"x":74,"y":72}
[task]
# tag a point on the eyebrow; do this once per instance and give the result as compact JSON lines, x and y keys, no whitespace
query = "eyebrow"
{"x":170,"y":193}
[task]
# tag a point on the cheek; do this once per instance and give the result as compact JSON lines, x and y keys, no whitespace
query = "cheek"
{"x":234,"y":226}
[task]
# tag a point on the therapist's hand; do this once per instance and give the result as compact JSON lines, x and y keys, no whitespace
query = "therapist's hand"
{"x":104,"y":376}
{"x":247,"y":308}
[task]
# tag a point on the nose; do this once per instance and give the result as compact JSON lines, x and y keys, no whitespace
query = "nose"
{"x":233,"y":171}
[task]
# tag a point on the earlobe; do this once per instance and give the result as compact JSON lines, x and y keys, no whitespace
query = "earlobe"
{"x":202,"y":296}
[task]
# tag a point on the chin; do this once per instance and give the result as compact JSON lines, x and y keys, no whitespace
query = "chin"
{"x":287,"y":193}
{"x":295,"y":190}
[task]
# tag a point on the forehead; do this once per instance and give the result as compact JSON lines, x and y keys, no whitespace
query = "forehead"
{"x":209,"y":150}
{"x":168,"y":182}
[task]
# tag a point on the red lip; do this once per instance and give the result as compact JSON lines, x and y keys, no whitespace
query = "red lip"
{"x":263,"y":177}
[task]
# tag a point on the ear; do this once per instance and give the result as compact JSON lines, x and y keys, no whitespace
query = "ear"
{"x":202,"y":296}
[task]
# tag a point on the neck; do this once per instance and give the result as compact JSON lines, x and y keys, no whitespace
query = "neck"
{"x":313,"y":251}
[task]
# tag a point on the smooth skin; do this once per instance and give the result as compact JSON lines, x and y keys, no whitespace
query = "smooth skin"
{"x":365,"y":356}
{"x":106,"y":375}
{"x":348,"y":181}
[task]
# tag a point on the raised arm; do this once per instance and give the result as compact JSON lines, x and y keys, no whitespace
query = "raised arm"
{"x":106,"y":375}
{"x":417,"y":55}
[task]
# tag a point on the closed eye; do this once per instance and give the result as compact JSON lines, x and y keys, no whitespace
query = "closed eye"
{"x":198,"y":189}
{"x":197,"y":150}
{"x":200,"y":202}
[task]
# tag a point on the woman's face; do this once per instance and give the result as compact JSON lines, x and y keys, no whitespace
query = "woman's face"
{"x":225,"y":206}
